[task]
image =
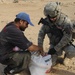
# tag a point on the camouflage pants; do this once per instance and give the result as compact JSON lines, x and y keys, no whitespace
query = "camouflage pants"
{"x":69,"y":53}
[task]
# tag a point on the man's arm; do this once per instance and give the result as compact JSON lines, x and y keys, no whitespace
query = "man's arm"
{"x":36,"y":48}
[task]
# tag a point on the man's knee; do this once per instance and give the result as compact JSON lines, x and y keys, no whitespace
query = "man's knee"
{"x":28,"y":55}
{"x":18,"y":57}
{"x":25,"y":63}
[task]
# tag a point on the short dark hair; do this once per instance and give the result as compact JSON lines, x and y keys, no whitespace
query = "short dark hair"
{"x":17,"y":20}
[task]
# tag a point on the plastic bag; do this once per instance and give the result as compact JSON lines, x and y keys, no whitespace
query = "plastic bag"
{"x":39,"y":64}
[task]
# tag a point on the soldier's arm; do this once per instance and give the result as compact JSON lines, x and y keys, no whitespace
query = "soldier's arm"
{"x":41,"y":36}
{"x":67,"y":36}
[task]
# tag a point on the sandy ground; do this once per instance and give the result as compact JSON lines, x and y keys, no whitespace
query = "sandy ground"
{"x":8,"y":10}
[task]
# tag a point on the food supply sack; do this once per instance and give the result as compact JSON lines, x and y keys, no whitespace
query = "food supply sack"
{"x":40,"y":64}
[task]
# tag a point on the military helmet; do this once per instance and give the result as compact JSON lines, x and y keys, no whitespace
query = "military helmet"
{"x":52,"y":9}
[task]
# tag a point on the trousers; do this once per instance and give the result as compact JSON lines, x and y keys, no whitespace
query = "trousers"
{"x":17,"y":63}
{"x":69,"y":53}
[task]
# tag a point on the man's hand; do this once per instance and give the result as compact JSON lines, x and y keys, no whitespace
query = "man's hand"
{"x":41,"y":51}
{"x":52,"y":51}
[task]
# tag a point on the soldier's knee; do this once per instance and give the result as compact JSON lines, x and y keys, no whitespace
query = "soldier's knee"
{"x":70,"y":55}
{"x":70,"y":52}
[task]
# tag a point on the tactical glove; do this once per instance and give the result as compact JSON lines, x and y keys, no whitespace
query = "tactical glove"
{"x":52,"y":51}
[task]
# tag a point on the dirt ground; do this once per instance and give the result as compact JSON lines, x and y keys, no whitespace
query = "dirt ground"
{"x":8,"y":10}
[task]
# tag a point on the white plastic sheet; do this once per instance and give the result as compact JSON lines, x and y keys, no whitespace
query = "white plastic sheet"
{"x":39,"y":64}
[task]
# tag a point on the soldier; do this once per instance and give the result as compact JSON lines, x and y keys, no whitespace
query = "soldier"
{"x":58,"y":28}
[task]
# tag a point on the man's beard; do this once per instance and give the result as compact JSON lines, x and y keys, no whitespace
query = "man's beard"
{"x":22,"y":28}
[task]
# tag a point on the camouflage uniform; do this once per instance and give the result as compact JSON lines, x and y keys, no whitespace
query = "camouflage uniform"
{"x":58,"y":41}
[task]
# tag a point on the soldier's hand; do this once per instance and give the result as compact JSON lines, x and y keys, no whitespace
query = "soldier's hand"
{"x":52,"y":51}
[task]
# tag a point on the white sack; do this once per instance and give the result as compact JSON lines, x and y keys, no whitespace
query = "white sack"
{"x":39,"y":64}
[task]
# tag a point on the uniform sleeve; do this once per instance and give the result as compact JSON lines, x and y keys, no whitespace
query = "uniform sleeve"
{"x":41,"y":36}
{"x":67,"y":36}
{"x":17,"y":38}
